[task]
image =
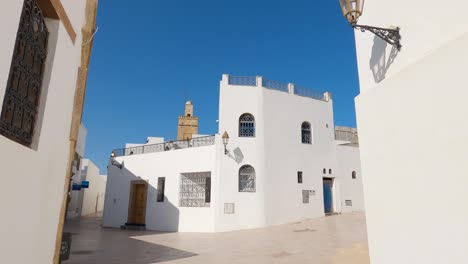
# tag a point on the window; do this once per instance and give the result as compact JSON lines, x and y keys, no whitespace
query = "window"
{"x":305,"y":196}
{"x":324,"y":171}
{"x":306,"y":133}
{"x":246,"y":179}
{"x":21,"y":101}
{"x":299,"y":177}
{"x":349,"y":202}
{"x":161,"y":186}
{"x":246,"y":125}
{"x":353,"y":175}
{"x":195,"y":189}
{"x":329,"y":171}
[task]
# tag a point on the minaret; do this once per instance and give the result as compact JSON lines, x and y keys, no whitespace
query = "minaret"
{"x":188,"y":124}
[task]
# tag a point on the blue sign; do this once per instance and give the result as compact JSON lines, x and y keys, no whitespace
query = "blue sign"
{"x":76,"y":187}
{"x":85,"y":184}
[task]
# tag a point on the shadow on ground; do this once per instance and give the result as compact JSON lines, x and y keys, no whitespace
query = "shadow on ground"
{"x":93,"y":244}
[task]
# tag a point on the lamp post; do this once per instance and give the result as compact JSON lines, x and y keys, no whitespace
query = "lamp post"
{"x":225,"y":141}
{"x":352,"y":10}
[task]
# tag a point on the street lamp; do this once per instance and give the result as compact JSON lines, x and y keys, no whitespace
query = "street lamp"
{"x":225,"y":141}
{"x":114,"y":162}
{"x":352,"y":10}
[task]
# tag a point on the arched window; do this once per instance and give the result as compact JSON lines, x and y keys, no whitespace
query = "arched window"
{"x":329,"y":171}
{"x":246,"y":179}
{"x":246,"y":125}
{"x":306,"y":133}
{"x":324,"y":171}
{"x":353,"y":175}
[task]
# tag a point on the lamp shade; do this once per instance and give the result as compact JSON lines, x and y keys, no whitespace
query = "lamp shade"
{"x":352,"y":9}
{"x":225,"y":138}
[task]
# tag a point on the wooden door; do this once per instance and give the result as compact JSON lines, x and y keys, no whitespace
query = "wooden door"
{"x":137,"y":210}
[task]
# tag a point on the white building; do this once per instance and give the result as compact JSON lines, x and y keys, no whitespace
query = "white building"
{"x":44,"y":59}
{"x":90,"y":200}
{"x":85,"y":200}
{"x":411,"y":114}
{"x":281,"y":153}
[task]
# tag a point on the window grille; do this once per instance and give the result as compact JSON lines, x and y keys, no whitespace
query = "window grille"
{"x":246,"y":125}
{"x":349,"y":203}
{"x":306,"y":133}
{"x":305,"y":196}
{"x":299,"y":177}
{"x":246,"y":179}
{"x":195,"y":189}
{"x":161,"y":187}
{"x":21,"y":101}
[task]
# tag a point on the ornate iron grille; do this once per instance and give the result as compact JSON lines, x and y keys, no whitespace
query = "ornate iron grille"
{"x":247,"y":125}
{"x":305,"y":196}
{"x":195,"y":189}
{"x":246,"y":179}
{"x":306,"y":133}
{"x":20,"y":105}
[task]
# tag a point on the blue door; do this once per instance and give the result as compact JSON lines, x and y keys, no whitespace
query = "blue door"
{"x":328,"y":195}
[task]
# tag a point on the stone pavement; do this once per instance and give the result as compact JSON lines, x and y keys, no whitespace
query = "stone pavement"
{"x":338,"y":239}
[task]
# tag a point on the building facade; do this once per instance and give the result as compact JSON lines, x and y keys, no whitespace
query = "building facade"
{"x":411,"y":116}
{"x":188,"y":123}
{"x":282,"y":164}
{"x":42,"y":52}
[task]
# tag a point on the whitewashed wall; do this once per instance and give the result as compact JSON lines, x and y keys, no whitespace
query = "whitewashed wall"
{"x":348,"y":160}
{"x":35,"y":177}
{"x":276,"y":153}
{"x":93,"y":199}
{"x":413,"y":131}
{"x":167,"y":215}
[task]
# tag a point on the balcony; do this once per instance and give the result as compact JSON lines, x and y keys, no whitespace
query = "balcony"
{"x":278,"y":86}
{"x":166,"y":146}
{"x":346,"y":134}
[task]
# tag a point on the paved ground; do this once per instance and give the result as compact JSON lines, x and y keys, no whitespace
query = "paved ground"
{"x":339,"y":239}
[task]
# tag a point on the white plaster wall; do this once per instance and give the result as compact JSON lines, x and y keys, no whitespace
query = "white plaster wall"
{"x":276,"y":153}
{"x":348,"y":160}
{"x":34,"y":178}
{"x":249,"y":206}
{"x":93,"y":199}
{"x":413,"y":132}
{"x":167,"y":215}
{"x":425,"y":26}
{"x":286,"y":154}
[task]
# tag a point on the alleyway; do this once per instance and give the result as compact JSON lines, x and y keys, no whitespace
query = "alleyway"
{"x":339,"y":239}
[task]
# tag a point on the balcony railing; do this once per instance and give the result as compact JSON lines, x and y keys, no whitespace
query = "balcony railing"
{"x":243,"y":80}
{"x":279,"y":86}
{"x":166,"y":146}
{"x":350,"y":136}
{"x":275,"y":85}
{"x":309,"y":93}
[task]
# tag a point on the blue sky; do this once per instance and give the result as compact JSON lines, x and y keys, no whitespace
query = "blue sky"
{"x":149,"y":56}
